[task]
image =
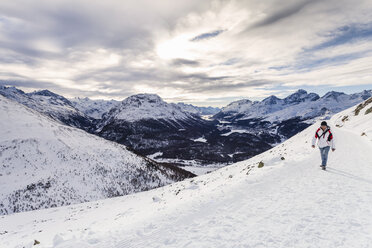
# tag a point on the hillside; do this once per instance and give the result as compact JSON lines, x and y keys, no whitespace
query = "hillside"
{"x":289,"y":202}
{"x":46,"y":164}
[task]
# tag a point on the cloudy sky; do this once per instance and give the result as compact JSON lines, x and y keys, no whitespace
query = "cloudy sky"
{"x":202,"y":52}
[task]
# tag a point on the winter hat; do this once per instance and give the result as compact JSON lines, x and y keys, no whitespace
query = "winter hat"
{"x":323,"y":123}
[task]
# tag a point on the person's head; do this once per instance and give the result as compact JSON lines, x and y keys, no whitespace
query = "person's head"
{"x":323,"y":125}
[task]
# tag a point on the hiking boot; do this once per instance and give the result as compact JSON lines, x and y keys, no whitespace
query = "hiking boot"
{"x":323,"y":167}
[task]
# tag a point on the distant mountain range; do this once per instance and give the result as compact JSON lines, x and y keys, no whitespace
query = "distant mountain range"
{"x":177,"y":133}
{"x":299,"y":104}
{"x":286,"y":117}
{"x":97,"y":108}
{"x":199,"y":110}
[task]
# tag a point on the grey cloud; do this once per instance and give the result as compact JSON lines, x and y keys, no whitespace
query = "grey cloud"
{"x":232,"y":86}
{"x":83,"y":25}
{"x":345,"y":34}
{"x":180,"y":62}
{"x":278,"y":12}
{"x":201,"y":76}
{"x":207,"y":35}
{"x":311,"y":64}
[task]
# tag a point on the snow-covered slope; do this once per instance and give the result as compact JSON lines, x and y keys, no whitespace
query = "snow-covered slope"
{"x":356,"y":119}
{"x":289,"y":202}
{"x":93,"y":108}
{"x":50,"y":104}
{"x":46,"y":164}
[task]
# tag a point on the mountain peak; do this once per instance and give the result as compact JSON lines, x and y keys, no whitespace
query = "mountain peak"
{"x":11,"y":89}
{"x":148,"y":106}
{"x":297,"y":97}
{"x":301,"y":91}
{"x":333,"y":94}
{"x":139,"y":99}
{"x":239,"y":102}
{"x":237,"y":106}
{"x":44,"y":93}
{"x":271,"y":100}
{"x":52,"y":95}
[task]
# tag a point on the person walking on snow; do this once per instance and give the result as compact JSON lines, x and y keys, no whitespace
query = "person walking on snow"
{"x":325,"y":142}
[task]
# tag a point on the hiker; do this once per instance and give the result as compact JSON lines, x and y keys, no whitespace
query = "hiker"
{"x":325,"y":142}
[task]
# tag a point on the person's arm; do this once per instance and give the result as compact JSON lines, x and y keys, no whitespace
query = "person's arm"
{"x":333,"y":145}
{"x":313,"y":140}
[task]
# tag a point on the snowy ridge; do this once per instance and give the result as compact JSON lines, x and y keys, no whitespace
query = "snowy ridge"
{"x":301,"y":104}
{"x":289,"y":202}
{"x":50,"y":104}
{"x":93,"y":108}
{"x":46,"y":164}
{"x":148,"y":106}
{"x":198,"y":110}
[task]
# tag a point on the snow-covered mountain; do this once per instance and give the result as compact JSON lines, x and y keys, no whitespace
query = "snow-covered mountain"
{"x":202,"y":111}
{"x":147,"y":107}
{"x":97,"y":108}
{"x":145,"y":114}
{"x":299,"y":104}
{"x":50,"y":104}
{"x":140,"y":119}
{"x":280,"y":198}
{"x":282,"y":118}
{"x":46,"y":164}
{"x":93,"y":108}
{"x":151,"y":126}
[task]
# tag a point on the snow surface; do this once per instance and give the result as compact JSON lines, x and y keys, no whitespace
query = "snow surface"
{"x":289,"y":202}
{"x":235,"y":131}
{"x":200,"y":139}
{"x":201,"y":170}
{"x":194,"y":166}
